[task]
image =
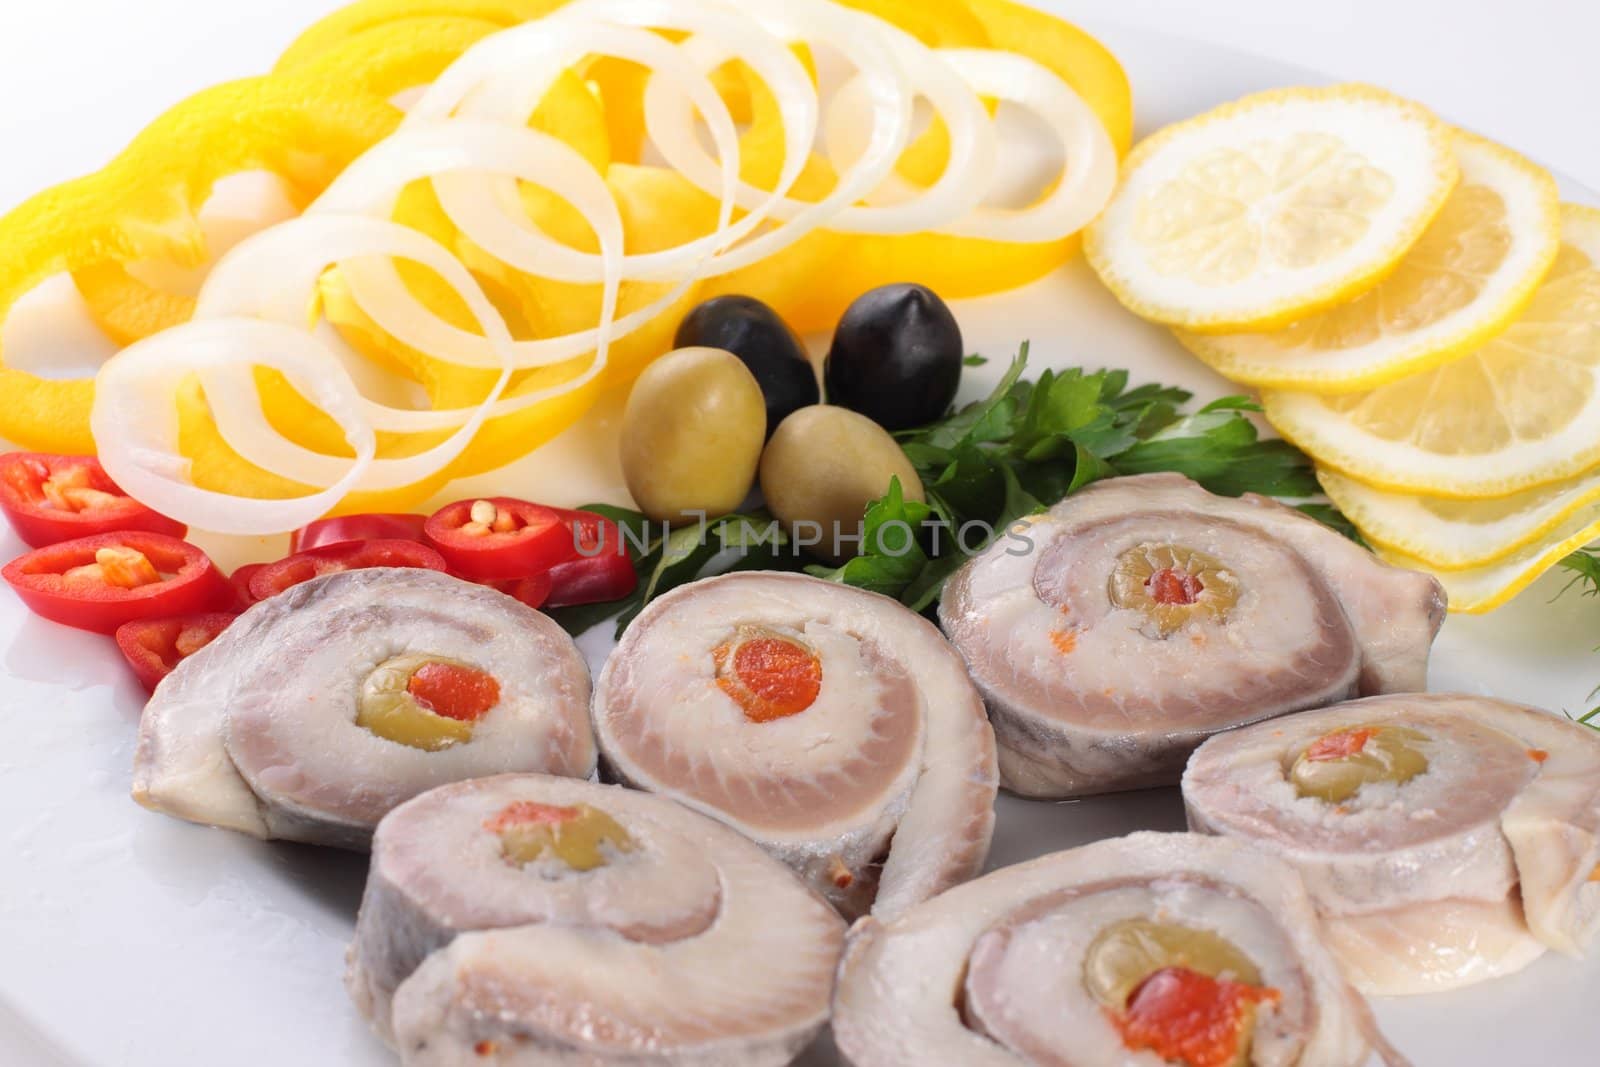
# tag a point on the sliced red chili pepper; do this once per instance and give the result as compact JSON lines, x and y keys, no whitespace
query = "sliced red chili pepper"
{"x":498,"y":538}
{"x":240,"y":580}
{"x":290,"y":571}
{"x":49,"y":499}
{"x":99,"y":583}
{"x":155,"y":647}
{"x":533,"y":590}
{"x":598,"y":568}
{"x":378,"y":526}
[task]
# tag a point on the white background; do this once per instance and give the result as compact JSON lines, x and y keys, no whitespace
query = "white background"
{"x":77,"y":77}
{"x":188,"y":942}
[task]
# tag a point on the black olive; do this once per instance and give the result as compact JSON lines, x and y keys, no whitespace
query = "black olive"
{"x":896,"y":357}
{"x":752,"y":331}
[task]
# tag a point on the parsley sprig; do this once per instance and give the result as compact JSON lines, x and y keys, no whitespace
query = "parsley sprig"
{"x":1585,"y":567}
{"x":1026,"y":445}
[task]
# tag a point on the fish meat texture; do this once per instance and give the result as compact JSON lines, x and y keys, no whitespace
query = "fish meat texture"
{"x":1141,"y":615}
{"x":688,"y":946}
{"x":1000,"y":971}
{"x":257,"y":732}
{"x":1396,"y":613}
{"x":1464,"y":870}
{"x":879,"y":791}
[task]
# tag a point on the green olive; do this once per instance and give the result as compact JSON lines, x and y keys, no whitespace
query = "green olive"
{"x":822,"y":468}
{"x":1172,"y":584}
{"x":387,"y":708}
{"x":1127,"y":952}
{"x":1335,"y":766}
{"x":577,"y":837}
{"x":692,"y":434}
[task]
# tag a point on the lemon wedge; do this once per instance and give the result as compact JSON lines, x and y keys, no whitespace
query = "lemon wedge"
{"x":1475,"y":590}
{"x":1272,"y":207}
{"x":1520,"y":411}
{"x":1468,"y":276}
{"x":1456,"y":534}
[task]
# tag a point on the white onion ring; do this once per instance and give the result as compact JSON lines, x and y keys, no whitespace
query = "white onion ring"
{"x":299,"y":252}
{"x":468,"y":134}
{"x":532,"y":52}
{"x":1091,"y":174}
{"x":135,"y":420}
{"x":423,"y":149}
{"x":958,"y":190}
{"x":890,"y":101}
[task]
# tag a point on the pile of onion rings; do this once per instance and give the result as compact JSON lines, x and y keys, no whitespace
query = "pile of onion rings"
{"x":468,"y":138}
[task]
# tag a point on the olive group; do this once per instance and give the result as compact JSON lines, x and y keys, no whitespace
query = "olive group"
{"x":738,"y":398}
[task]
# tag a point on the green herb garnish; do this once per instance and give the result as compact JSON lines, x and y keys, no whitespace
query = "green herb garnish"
{"x":1585,"y":567}
{"x":1023,"y":447}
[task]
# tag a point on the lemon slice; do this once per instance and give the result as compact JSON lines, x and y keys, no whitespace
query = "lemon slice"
{"x":1476,"y":590}
{"x":1271,"y":207}
{"x":1520,"y":411}
{"x":1456,"y":534}
{"x":1468,"y":276}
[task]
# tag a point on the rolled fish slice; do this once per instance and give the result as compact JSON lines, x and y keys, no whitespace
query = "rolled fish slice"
{"x":1064,"y":960}
{"x":1395,"y":613}
{"x":1139,"y":616}
{"x":1445,"y":839}
{"x":832,"y":725}
{"x":303,"y":720}
{"x":526,"y":919}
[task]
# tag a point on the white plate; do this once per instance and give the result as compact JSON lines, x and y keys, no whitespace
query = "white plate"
{"x":131,"y":939}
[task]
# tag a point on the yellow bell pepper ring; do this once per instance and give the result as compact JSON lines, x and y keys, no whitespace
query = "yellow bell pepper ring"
{"x":144,"y":205}
{"x":570,"y":112}
{"x":378,"y":64}
{"x":954,"y":266}
{"x":660,"y":209}
{"x":364,"y":16}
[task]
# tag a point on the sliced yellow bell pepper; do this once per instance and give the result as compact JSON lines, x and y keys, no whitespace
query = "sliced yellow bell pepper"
{"x":347,"y":65}
{"x":811,"y":297}
{"x":570,"y":112}
{"x":952,"y":266}
{"x":364,"y":16}
{"x":215,"y":465}
{"x":659,"y":208}
{"x":143,"y":205}
{"x":379,"y":64}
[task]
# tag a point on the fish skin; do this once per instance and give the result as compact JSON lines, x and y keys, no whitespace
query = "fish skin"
{"x":1122,"y":709}
{"x":529,"y":965}
{"x":1490,"y":835}
{"x":926,"y":797}
{"x":902,"y":984}
{"x":256,"y":732}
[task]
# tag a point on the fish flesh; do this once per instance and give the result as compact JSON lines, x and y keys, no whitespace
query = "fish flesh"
{"x":1072,"y":960}
{"x":1446,"y":839}
{"x":301,"y":721}
{"x":1113,"y":634}
{"x":529,"y":919}
{"x":832,"y":725}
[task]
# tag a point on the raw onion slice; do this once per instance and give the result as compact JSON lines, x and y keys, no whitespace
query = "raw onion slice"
{"x":513,"y":70}
{"x":963,"y":183}
{"x":421,"y":150}
{"x":487,"y":208}
{"x":1090,"y":177}
{"x":298,"y":253}
{"x":889,"y":102}
{"x":1075,"y":197}
{"x":467,"y":134}
{"x":135,"y":420}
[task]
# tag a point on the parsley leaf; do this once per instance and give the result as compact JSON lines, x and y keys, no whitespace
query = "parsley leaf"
{"x":1026,"y":445}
